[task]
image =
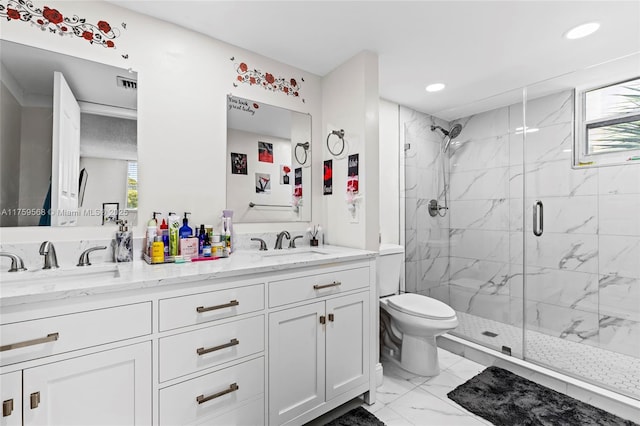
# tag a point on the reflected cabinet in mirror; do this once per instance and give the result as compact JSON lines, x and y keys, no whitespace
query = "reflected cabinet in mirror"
{"x":268,"y":162}
{"x":68,"y":141}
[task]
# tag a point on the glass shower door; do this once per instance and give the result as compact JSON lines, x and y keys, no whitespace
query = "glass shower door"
{"x":581,"y":243}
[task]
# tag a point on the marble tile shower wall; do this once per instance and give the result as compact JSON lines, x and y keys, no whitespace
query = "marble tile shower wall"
{"x":583,"y":274}
{"x":426,"y":237}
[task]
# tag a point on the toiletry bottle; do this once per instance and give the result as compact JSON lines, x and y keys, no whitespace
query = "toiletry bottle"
{"x":185,"y":229}
{"x":152,"y":222}
{"x":124,"y":243}
{"x":152,"y":231}
{"x":164,"y":233}
{"x":157,"y":250}
{"x":174,"y":233}
{"x":229,"y":215}
{"x":202,"y":234}
{"x":227,"y":234}
{"x":206,"y":246}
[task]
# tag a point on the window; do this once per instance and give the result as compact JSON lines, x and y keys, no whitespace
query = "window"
{"x":608,"y":124}
{"x":132,"y":185}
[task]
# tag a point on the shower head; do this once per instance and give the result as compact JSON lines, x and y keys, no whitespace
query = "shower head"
{"x":453,"y":133}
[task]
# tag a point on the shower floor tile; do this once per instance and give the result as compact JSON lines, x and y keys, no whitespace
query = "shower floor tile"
{"x":612,"y":370}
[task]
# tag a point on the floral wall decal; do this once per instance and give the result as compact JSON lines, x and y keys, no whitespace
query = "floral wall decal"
{"x":288,"y":86}
{"x":100,"y":34}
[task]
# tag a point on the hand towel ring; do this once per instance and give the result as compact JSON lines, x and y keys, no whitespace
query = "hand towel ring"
{"x":339,"y":134}
{"x":305,"y":147}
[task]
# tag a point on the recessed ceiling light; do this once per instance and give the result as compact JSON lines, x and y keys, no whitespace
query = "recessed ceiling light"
{"x":436,"y":87}
{"x":582,"y":30}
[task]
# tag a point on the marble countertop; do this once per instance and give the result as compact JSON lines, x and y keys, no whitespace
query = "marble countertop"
{"x":37,"y":286}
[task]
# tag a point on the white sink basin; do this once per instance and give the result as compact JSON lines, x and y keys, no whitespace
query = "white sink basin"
{"x":303,"y":251}
{"x":90,"y":273}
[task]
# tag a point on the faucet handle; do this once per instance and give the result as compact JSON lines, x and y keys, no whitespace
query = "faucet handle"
{"x":263,"y":245}
{"x":292,"y":242}
{"x":84,"y":257}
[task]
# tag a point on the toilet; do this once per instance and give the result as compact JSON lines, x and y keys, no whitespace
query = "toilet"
{"x":409,"y":322}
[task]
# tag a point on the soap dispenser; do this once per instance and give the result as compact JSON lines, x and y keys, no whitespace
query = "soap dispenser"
{"x":123,"y":250}
{"x":185,"y":229}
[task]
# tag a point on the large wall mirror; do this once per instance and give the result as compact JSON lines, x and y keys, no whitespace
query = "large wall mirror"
{"x":268,"y":162}
{"x":68,"y":140}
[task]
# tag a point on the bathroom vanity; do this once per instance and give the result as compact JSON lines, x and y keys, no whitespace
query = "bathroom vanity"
{"x":276,"y":338}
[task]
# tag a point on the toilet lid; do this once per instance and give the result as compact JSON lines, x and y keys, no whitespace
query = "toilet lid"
{"x":422,"y":306}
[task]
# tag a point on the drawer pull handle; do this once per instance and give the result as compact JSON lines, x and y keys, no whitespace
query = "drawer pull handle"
{"x":333,"y":284}
{"x":202,"y":309}
{"x":35,"y":400}
{"x":233,"y":342}
{"x":232,"y":388}
{"x":50,"y":338}
{"x":7,"y":407}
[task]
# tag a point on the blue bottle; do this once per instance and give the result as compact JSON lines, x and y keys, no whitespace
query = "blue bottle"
{"x":185,"y":231}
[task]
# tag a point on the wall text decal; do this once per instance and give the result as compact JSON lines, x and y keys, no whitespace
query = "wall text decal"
{"x":100,"y":34}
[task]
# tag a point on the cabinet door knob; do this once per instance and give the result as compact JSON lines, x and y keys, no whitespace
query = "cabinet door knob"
{"x":323,"y":319}
{"x":35,"y":400}
{"x":331,"y":317}
{"x":7,"y":407}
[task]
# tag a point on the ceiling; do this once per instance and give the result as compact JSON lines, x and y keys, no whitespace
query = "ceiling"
{"x":479,"y":49}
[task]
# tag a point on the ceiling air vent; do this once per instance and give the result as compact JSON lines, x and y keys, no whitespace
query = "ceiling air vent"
{"x":126,"y":83}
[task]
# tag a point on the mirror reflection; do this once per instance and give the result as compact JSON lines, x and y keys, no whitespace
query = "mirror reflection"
{"x":268,"y":162}
{"x":68,"y":141}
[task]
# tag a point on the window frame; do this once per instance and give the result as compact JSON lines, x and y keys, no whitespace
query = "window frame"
{"x":581,"y":156}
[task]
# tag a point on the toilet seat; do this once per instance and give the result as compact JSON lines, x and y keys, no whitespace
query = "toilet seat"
{"x":421,"y":306}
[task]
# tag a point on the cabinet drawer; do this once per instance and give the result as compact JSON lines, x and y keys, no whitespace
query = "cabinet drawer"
{"x":313,"y":286}
{"x":211,"y":395}
{"x":203,"y":307}
{"x":196,"y":350}
{"x":42,"y":337}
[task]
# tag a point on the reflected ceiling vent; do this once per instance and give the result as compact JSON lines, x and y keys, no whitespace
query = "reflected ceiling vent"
{"x":126,"y":83}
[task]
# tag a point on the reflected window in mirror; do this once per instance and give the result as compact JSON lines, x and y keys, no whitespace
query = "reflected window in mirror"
{"x":42,"y":181}
{"x":266,"y":181}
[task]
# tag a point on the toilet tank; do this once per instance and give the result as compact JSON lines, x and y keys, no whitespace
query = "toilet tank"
{"x":388,"y":269}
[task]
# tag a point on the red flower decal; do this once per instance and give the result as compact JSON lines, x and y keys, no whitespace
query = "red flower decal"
{"x":104,"y":26}
{"x":13,"y":14}
{"x":294,"y":83}
{"x":239,"y":78}
{"x":87,"y":35}
{"x":286,"y":169}
{"x":295,"y":93}
{"x":64,"y":28}
{"x":52,"y":15}
{"x":243,"y":67}
{"x":110,"y":43}
{"x":286,"y":90}
{"x":252,"y":80}
{"x":269,"y":78}
{"x":256,"y":106}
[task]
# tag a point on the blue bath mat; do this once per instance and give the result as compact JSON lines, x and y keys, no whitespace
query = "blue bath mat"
{"x":507,"y":399}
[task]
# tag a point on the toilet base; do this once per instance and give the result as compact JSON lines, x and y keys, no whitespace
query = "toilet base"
{"x":419,"y":355}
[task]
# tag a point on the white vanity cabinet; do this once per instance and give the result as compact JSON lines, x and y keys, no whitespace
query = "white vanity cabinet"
{"x":319,"y":352}
{"x":77,"y":367}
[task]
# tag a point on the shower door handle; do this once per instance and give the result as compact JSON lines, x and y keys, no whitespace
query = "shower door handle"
{"x":538,"y":217}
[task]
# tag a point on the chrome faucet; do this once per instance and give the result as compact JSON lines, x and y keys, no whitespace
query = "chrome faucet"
{"x":279,"y":239}
{"x":263,"y":245}
{"x":292,"y":242}
{"x":49,"y":252}
{"x":84,"y":257}
{"x":16,"y":261}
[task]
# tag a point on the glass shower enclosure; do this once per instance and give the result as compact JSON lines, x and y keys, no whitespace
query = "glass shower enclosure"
{"x":538,"y":248}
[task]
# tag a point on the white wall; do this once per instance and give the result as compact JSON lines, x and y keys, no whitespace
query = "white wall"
{"x":184,"y":79}
{"x":9,"y":156}
{"x":389,"y":173}
{"x":351,"y":102}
